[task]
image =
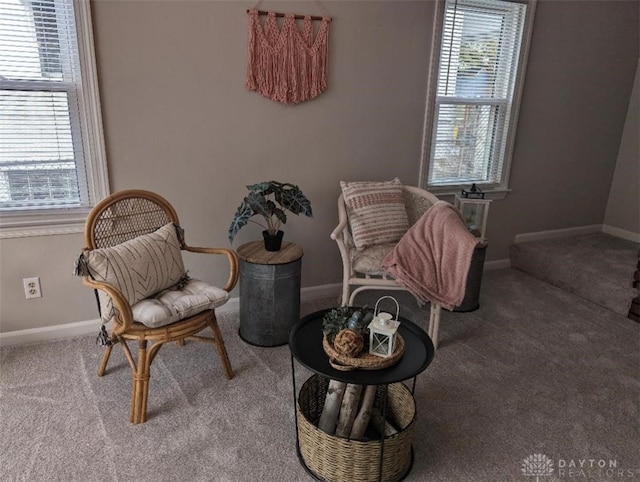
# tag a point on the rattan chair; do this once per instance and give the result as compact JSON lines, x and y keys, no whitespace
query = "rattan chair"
{"x":362,"y":269}
{"x":121,"y":218}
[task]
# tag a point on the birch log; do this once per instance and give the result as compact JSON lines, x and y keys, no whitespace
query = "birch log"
{"x":331,"y":408}
{"x":382,"y":425}
{"x":364,"y":415}
{"x":348,"y":409}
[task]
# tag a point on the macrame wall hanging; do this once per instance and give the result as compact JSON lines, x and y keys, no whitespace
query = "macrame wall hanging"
{"x":286,"y":63}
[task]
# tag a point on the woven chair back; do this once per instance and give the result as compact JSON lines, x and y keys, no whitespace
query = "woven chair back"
{"x":126,"y":215}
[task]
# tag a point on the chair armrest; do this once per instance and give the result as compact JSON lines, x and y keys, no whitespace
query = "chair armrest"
{"x":338,"y":231}
{"x":232,"y":258}
{"x":343,"y":220}
{"x":341,"y":236}
{"x":125,"y":318}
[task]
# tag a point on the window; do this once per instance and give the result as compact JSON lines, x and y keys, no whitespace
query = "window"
{"x":52,"y":163}
{"x":474,"y":91}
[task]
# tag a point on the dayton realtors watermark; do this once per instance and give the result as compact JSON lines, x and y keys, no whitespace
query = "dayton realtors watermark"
{"x":540,"y":466}
{"x":594,"y":468}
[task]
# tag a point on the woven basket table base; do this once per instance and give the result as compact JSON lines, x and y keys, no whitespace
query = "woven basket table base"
{"x":336,"y":459}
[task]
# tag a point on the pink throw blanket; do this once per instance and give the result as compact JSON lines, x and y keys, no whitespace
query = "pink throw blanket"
{"x":432,"y":259}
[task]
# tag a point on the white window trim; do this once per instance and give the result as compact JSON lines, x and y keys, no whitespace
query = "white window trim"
{"x":500,"y":191}
{"x":43,"y":222}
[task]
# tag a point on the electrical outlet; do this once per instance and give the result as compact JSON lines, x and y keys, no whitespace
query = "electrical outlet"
{"x":32,"y":288}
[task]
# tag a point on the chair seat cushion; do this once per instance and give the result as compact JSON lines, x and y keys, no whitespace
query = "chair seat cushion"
{"x":170,"y":306}
{"x":369,"y":260}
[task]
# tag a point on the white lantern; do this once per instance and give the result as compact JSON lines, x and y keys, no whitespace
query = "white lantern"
{"x":382,"y":332}
{"x":475,"y":212}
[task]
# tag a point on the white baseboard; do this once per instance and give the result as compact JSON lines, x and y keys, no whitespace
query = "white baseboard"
{"x":313,"y":293}
{"x":80,"y":328}
{"x":50,"y":333}
{"x":557,"y":233}
{"x":497,"y":264}
{"x":621,"y":233}
{"x":593,"y":228}
{"x":232,"y":305}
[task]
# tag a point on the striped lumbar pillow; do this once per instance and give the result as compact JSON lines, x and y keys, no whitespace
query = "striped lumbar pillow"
{"x":376,"y":211}
{"x":139,"y":268}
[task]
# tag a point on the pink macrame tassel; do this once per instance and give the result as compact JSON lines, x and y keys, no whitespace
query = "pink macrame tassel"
{"x":285,"y":64}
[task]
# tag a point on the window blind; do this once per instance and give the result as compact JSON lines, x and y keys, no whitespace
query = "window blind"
{"x":480,"y":50}
{"x":41,"y":156}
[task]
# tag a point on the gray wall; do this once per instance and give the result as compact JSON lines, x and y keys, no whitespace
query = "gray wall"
{"x":623,"y":208}
{"x":179,"y":121}
{"x":580,"y":74}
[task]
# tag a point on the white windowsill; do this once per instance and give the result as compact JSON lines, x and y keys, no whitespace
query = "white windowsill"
{"x":43,"y":223}
{"x":447,"y":192}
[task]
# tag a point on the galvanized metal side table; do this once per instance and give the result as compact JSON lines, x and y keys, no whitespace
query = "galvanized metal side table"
{"x":269,"y":292}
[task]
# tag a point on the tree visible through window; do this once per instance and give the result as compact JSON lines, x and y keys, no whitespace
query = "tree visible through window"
{"x":473,"y":113}
{"x":45,"y":136}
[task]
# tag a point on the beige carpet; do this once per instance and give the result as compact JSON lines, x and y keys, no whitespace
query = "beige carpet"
{"x":597,"y":267}
{"x":535,"y":370}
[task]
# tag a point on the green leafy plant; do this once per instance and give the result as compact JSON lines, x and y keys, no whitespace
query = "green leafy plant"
{"x":271,"y":200}
{"x":335,"y":320}
{"x":343,"y":317}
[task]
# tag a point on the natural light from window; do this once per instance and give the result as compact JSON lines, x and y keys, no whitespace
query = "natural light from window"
{"x":37,"y":106}
{"x":472,"y":114}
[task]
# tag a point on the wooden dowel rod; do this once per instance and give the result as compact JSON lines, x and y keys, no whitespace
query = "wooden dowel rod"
{"x":299,"y":17}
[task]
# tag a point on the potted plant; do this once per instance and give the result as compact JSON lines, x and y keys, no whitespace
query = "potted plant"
{"x":271,"y":200}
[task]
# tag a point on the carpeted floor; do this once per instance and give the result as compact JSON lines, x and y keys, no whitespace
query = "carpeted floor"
{"x":597,"y":266}
{"x":535,"y":370}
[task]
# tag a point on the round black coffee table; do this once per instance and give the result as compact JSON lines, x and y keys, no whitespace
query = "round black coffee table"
{"x":305,"y":344}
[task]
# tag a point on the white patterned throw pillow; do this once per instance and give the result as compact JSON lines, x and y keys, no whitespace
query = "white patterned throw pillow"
{"x":139,"y":268}
{"x":376,"y":211}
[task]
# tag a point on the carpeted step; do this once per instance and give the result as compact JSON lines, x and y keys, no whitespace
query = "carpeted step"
{"x":598,"y":267}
